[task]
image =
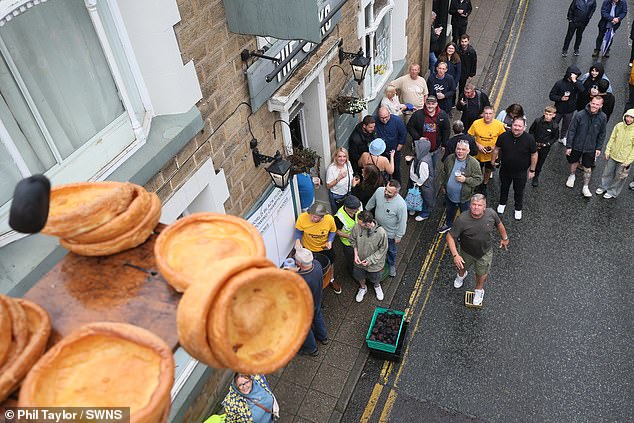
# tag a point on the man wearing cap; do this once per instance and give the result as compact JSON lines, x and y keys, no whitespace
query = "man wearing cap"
{"x":345,"y":219}
{"x":315,"y":230}
{"x":374,"y":156}
{"x":432,"y":123}
{"x":392,"y":130}
{"x":370,"y":244}
{"x":313,"y":274}
{"x":390,"y":211}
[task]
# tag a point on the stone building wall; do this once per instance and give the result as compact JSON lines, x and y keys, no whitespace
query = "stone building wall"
{"x":203,"y":37}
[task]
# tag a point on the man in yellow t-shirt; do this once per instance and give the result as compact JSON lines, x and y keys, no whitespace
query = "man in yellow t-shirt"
{"x":486,"y":132}
{"x":316,"y":230}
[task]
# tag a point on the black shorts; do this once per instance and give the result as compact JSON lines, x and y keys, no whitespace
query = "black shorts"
{"x":587,"y":159}
{"x":486,"y":165}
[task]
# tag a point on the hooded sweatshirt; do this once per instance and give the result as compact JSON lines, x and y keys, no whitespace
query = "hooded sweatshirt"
{"x":621,"y":144}
{"x":420,"y":172}
{"x":583,"y":98}
{"x":371,"y":245}
{"x":566,"y":85}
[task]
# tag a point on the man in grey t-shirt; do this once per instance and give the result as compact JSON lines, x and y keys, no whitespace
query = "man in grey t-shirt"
{"x":473,"y":231}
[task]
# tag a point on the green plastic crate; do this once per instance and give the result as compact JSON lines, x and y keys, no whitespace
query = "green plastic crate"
{"x":376,"y":345}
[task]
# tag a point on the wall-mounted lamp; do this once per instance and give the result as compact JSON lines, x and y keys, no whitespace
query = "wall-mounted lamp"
{"x":279,"y":170}
{"x":245,"y":55}
{"x":358,"y":62}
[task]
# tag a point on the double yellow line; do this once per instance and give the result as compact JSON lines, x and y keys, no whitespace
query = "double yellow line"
{"x":386,"y":371}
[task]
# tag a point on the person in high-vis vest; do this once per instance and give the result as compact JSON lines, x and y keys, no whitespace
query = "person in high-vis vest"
{"x":345,"y":219}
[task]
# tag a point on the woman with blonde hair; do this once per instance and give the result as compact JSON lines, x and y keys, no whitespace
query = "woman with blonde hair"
{"x":392,"y":102}
{"x":339,"y":179}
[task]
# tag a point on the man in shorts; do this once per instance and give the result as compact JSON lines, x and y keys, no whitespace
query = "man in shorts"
{"x":472,"y":232}
{"x":370,"y":244}
{"x":486,"y":132}
{"x":584,"y":141}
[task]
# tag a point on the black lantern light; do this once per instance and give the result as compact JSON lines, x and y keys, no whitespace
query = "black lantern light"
{"x":358,"y":62}
{"x":279,"y":170}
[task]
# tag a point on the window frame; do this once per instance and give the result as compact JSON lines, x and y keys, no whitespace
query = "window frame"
{"x":131,"y":127}
{"x":370,"y":21}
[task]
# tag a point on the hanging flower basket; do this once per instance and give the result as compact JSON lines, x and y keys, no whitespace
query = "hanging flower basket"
{"x":349,"y":105}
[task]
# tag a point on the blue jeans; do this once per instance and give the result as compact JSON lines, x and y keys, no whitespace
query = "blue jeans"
{"x":451,"y":209}
{"x":391,"y":252}
{"x":333,"y":201}
{"x":317,"y":331}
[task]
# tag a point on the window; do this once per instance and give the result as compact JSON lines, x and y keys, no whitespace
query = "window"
{"x":377,"y":30}
{"x":69,"y":107}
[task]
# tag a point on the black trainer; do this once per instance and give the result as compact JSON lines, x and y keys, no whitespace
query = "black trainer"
{"x":535,"y":181}
{"x":564,"y":53}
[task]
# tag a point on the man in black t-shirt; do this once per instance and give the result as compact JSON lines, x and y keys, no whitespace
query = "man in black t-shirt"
{"x":518,"y":156}
{"x":473,"y":231}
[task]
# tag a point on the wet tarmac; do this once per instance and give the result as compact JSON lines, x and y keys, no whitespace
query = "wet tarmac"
{"x":553,"y":342}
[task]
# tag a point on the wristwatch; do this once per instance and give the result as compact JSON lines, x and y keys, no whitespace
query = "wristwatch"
{"x":531,"y":170}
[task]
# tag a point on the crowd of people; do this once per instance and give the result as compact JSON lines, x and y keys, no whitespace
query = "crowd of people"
{"x":369,"y":215}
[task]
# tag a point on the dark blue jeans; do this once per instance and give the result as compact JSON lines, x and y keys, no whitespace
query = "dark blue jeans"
{"x":391,"y":252}
{"x":317,"y":331}
{"x":451,"y":209}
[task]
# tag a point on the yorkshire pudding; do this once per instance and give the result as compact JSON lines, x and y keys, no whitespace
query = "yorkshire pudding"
{"x":253,"y":316}
{"x":104,"y":365}
{"x":186,"y":250}
{"x":80,"y":207}
{"x":38,"y":329}
{"x":122,"y":223}
{"x":130,"y":239}
{"x":5,"y":331}
{"x":197,"y":301}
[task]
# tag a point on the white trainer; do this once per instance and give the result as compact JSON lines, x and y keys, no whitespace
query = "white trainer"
{"x":518,"y":215}
{"x":379,"y":292}
{"x":501,"y":208}
{"x":478,"y":297}
{"x":608,"y":195}
{"x":570,"y":183}
{"x":599,"y":191}
{"x":586,"y":191}
{"x":361,"y":294}
{"x":457,"y":283}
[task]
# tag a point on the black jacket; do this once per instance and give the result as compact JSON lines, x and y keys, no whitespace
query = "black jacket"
{"x":473,"y":109}
{"x":545,"y":133}
{"x":357,"y":145}
{"x":587,"y":131}
{"x":416,"y":126}
{"x":446,"y":85}
{"x":468,"y":61}
{"x":580,"y":11}
{"x":450,"y":146}
{"x":563,"y":85}
{"x":457,"y":19}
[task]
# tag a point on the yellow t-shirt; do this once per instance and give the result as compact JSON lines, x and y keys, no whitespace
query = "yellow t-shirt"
{"x":315,"y":234}
{"x":486,"y":135}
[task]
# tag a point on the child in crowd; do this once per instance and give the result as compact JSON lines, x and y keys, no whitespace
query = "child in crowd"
{"x":546,"y":132}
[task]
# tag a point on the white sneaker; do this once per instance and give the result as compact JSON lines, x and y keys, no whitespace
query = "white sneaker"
{"x":586,"y":191}
{"x":599,"y":191}
{"x":563,"y":140}
{"x":361,"y":294}
{"x":379,"y":292}
{"x":501,"y":208}
{"x":411,"y":212}
{"x":478,"y":297}
{"x":457,"y":283}
{"x":518,"y":215}
{"x":570,"y":183}
{"x":608,"y":195}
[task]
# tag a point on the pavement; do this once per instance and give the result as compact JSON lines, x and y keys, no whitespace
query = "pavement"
{"x":319,"y":389}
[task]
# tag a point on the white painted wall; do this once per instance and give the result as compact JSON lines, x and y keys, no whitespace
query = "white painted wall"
{"x":316,"y":120}
{"x":172,"y":86}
